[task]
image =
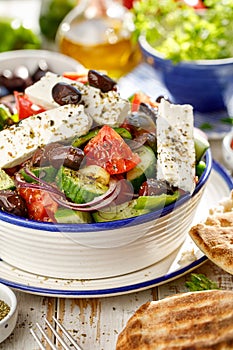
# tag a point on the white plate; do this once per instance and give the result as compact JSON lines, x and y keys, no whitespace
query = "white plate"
{"x":166,"y":270}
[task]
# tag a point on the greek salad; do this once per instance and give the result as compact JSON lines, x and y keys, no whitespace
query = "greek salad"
{"x":72,"y":150}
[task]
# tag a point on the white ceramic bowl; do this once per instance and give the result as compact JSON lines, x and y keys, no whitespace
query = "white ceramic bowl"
{"x":7,"y":324}
{"x":98,"y":250}
{"x":227,"y":150}
{"x":58,"y":63}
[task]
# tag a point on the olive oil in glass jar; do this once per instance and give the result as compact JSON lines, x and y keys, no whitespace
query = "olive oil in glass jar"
{"x":98,"y":35}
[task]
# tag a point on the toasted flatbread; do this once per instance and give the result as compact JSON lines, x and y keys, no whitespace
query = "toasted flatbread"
{"x":214,"y":237}
{"x":187,"y":321}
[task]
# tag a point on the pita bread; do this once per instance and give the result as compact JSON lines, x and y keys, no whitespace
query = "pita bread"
{"x":214,"y":237}
{"x":187,"y":321}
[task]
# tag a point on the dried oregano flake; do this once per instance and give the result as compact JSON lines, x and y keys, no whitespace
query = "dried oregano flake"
{"x":4,"y":309}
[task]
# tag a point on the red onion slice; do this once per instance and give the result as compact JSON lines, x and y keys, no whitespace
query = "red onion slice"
{"x":58,"y":196}
{"x":41,"y":185}
{"x":95,"y":204}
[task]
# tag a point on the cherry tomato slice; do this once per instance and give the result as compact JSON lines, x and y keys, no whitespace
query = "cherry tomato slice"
{"x":141,"y":97}
{"x":40,"y":205}
{"x":108,"y":150}
{"x":81,"y":77}
{"x":25,"y":107}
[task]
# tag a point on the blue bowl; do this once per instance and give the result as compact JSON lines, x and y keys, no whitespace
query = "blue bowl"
{"x":201,"y":83}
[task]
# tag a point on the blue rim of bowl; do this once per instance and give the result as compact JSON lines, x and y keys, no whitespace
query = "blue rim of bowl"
{"x":145,"y":46}
{"x":104,"y":226}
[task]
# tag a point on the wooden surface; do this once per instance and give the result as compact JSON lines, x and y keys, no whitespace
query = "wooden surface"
{"x":96,"y":322}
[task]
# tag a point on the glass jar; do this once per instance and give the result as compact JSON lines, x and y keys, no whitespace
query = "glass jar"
{"x":98,"y":35}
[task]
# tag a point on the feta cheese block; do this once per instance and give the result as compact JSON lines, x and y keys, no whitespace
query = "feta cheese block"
{"x":115,"y":109}
{"x":18,"y":142}
{"x":104,"y":108}
{"x":175,"y":145}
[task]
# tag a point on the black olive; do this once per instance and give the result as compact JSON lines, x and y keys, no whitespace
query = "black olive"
{"x":153,"y":187}
{"x":159,"y":98}
{"x":41,"y":157}
{"x":12,"y":82}
{"x":101,"y":81}
{"x":12,"y":203}
{"x":41,"y":70}
{"x":148,"y":110}
{"x":64,"y":94}
{"x":68,"y":156}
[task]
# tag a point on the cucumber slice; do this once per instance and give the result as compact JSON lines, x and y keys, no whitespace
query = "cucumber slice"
{"x":201,"y":145}
{"x":96,"y":173}
{"x":145,"y":169}
{"x":47,"y":173}
{"x":122,"y":211}
{"x":69,"y":216}
{"x":155,"y":202}
{"x":78,"y":187}
{"x":6,"y":182}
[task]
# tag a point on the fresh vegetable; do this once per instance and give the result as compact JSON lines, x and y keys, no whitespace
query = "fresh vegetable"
{"x":17,"y":36}
{"x":78,"y":187}
{"x":39,"y":203}
{"x":6,"y":182}
{"x":200,"y":168}
{"x":6,"y":118}
{"x":199,"y":282}
{"x":119,"y":212}
{"x":82,"y":77}
{"x":140,"y":97}
{"x":201,"y":144}
{"x":182,"y":32}
{"x":156,"y":202}
{"x":143,"y":170}
{"x":108,"y":150}
{"x":69,"y":216}
{"x":25,"y":107}
{"x":48,"y":173}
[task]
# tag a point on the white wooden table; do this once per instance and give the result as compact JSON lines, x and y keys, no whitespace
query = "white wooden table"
{"x":96,"y":322}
